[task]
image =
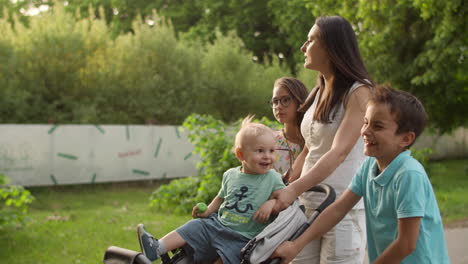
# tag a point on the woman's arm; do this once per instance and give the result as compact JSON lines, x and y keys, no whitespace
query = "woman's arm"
{"x":297,"y":165}
{"x":324,"y":222}
{"x":344,"y":141}
{"x":405,"y":243}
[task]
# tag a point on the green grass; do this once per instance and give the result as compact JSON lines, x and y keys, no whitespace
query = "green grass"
{"x":75,"y":224}
{"x":450,"y":182}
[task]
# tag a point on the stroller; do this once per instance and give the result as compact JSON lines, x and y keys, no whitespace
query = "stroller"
{"x":288,"y":225}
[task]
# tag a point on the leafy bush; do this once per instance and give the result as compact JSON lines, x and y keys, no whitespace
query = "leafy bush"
{"x":213,"y":140}
{"x":14,"y":202}
{"x":423,"y":155}
{"x":178,"y":196}
{"x":72,"y":69}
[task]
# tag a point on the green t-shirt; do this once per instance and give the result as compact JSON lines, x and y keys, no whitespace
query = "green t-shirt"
{"x":243,"y":194}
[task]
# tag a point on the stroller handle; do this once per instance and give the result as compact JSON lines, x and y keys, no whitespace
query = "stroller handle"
{"x":328,"y":191}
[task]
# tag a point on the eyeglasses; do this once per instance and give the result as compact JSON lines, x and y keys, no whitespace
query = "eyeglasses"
{"x":285,"y":101}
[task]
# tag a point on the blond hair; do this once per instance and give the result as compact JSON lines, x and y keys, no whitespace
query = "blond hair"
{"x":250,"y":129}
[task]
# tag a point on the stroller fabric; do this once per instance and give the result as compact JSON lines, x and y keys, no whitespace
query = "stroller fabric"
{"x":281,"y":229}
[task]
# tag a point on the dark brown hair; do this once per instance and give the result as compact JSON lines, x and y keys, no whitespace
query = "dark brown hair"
{"x":339,"y":41}
{"x":297,"y":89}
{"x":407,"y":110}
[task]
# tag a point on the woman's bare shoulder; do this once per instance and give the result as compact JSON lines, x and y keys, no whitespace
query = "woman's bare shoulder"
{"x":359,"y":97}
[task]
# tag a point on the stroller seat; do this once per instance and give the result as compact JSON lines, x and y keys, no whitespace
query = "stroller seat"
{"x":288,"y":225}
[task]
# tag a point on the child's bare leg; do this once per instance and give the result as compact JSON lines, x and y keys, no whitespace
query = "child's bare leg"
{"x":172,"y":241}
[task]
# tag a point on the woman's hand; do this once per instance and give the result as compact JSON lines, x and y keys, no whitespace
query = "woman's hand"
{"x":287,"y":251}
{"x":284,"y":198}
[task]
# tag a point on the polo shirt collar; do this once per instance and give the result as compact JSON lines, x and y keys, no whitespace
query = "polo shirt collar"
{"x":385,"y":176}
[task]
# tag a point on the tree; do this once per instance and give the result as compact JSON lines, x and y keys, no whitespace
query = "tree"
{"x":270,"y":29}
{"x":418,"y":46}
{"x":70,"y":70}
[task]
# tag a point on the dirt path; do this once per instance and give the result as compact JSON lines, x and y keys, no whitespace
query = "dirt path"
{"x":456,"y":235}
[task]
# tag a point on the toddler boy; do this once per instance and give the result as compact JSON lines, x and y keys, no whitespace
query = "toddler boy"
{"x":238,"y":213}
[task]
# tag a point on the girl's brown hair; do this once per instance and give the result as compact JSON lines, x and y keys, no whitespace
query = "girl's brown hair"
{"x":339,"y":40}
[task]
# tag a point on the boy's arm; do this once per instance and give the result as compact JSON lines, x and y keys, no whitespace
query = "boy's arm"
{"x":263,"y":213}
{"x":324,"y":222}
{"x":215,"y":204}
{"x":212,"y":207}
{"x":405,"y":243}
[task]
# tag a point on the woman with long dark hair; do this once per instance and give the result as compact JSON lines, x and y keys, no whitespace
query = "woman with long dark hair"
{"x":333,"y":152}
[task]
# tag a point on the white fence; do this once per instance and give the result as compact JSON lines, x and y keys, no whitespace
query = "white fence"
{"x":453,"y":145}
{"x":34,"y":155}
{"x":37,"y":155}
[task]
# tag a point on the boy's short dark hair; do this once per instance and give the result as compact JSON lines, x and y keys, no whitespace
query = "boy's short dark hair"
{"x":408,"y":111}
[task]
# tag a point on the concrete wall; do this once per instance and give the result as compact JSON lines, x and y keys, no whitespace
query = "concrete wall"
{"x":35,"y":155}
{"x":448,"y":146}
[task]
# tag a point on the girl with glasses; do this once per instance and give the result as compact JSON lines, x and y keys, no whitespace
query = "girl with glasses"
{"x":288,"y":94}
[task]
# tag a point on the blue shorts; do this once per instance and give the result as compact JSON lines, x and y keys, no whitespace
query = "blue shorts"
{"x":210,"y":240}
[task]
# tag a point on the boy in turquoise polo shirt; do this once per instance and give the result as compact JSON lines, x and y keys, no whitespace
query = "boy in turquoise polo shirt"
{"x":402,"y":216}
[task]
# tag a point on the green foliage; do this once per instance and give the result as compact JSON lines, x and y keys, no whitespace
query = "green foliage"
{"x":14,"y":202}
{"x":90,"y":219}
{"x":423,"y":155}
{"x":267,"y":27}
{"x":417,"y":46}
{"x":178,"y":196}
{"x":241,"y":80}
{"x":213,"y":140}
{"x":68,"y":68}
{"x":270,"y":29}
{"x":87,"y":219}
{"x":293,"y":20}
{"x":449,"y":179}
